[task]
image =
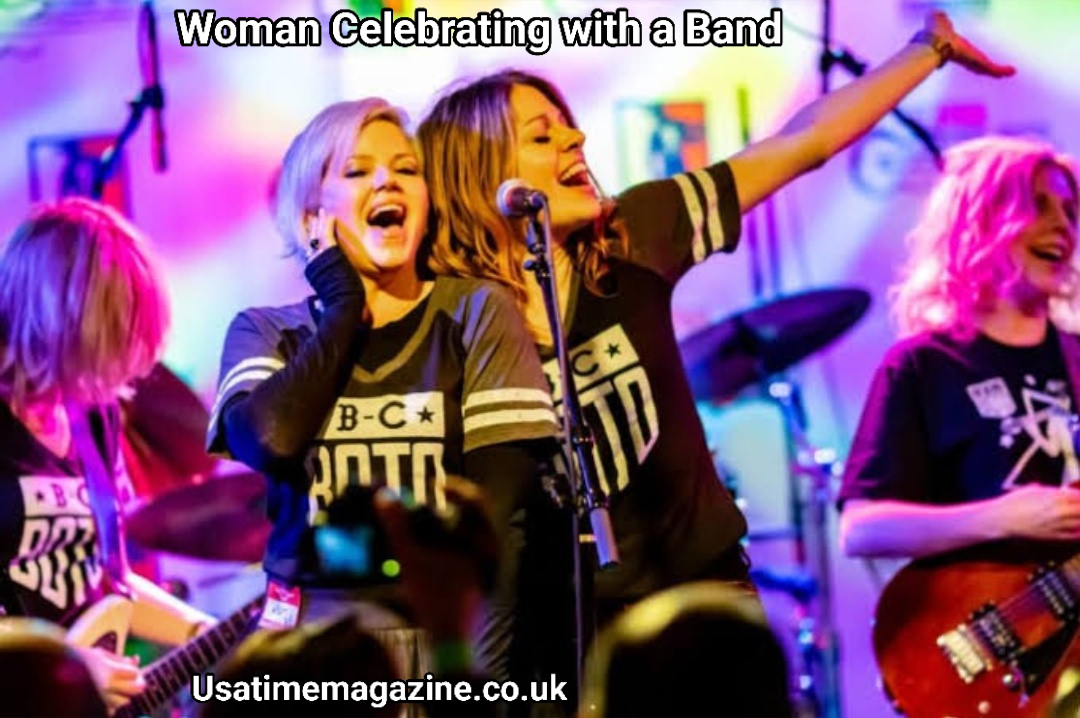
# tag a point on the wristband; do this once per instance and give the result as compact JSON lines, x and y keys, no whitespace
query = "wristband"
{"x":940,"y":45}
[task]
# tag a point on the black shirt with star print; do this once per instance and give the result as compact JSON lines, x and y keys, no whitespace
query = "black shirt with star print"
{"x":952,"y":419}
{"x":48,"y":539}
{"x":672,"y":516}
{"x":456,"y":375}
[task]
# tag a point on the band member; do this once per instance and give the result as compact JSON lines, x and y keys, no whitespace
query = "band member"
{"x":82,"y":313}
{"x":965,"y":434}
{"x":386,"y":376}
{"x":617,"y":263}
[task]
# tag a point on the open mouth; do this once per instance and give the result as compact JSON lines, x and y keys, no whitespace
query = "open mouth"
{"x":576,"y":176}
{"x":386,"y":216}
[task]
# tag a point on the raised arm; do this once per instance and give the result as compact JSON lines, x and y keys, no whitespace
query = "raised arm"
{"x":828,"y":125}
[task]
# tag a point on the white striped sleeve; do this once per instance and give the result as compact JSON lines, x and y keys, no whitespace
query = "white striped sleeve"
{"x":243,"y":378}
{"x":679,"y":222}
{"x":495,"y":416}
{"x":249,"y":357}
{"x":505,"y":396}
{"x":702,"y":199}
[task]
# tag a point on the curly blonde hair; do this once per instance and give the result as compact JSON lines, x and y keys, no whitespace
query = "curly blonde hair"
{"x":976,"y":210}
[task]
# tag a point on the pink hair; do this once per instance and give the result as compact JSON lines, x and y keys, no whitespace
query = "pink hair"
{"x":983,"y":201}
{"x":82,"y":308}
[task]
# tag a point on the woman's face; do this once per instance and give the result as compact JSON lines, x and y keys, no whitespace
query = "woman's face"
{"x":550,"y":159}
{"x":378,"y":199}
{"x":1043,"y":251}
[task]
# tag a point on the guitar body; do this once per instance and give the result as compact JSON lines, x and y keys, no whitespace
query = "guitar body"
{"x":969,"y":634}
{"x":104,"y":625}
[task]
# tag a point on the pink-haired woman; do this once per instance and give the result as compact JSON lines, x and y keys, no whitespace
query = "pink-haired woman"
{"x":83,"y":312}
{"x":965,"y":435}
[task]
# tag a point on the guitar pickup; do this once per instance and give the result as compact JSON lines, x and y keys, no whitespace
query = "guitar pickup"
{"x":1058,"y":595}
{"x":963,"y":651}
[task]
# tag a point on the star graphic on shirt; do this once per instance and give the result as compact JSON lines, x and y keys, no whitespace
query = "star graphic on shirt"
{"x":426,"y":414}
{"x":613,"y":350}
{"x":39,"y":496}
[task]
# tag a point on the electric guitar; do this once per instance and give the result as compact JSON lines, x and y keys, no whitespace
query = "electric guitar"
{"x":986,"y":631}
{"x":106,"y":623}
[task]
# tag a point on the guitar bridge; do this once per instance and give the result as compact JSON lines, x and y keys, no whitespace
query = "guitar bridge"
{"x":962,"y":649}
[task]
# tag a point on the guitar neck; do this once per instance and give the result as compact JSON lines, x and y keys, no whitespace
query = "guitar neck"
{"x":166,"y":677}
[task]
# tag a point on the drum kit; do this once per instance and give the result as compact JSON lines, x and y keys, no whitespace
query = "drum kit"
{"x":752,"y":350}
{"x":189,"y":509}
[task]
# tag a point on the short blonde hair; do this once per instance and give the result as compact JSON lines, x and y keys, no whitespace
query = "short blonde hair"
{"x":332,"y":131}
{"x":82,"y":308}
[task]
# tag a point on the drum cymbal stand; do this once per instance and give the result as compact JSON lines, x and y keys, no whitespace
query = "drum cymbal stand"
{"x":812,"y":472}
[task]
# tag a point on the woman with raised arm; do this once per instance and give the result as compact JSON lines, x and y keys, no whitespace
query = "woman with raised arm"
{"x":616,"y":266}
{"x":385,"y":376}
{"x":83,"y":313}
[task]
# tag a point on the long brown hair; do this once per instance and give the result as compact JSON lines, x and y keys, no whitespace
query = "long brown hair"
{"x":467,"y":142}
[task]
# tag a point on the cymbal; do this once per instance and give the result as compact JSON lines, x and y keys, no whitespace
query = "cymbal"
{"x":221,"y":519}
{"x":164,"y":433}
{"x":723,"y":359}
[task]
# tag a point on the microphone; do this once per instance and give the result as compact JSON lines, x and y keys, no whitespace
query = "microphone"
{"x":153,"y":95}
{"x":515,"y":199}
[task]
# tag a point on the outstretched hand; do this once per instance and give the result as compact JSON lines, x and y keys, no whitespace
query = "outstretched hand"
{"x":965,"y":53}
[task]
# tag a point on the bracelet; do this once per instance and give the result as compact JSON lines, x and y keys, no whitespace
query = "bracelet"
{"x":940,"y":45}
{"x":452,"y":656}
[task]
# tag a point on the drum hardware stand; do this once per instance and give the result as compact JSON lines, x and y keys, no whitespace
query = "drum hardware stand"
{"x":810,"y":468}
{"x":812,"y":473}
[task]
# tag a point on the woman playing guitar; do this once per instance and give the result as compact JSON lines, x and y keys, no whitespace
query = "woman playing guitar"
{"x":82,"y":313}
{"x":966,"y":436}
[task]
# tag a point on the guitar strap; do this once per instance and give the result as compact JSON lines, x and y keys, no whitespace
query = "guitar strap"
{"x":104,"y":503}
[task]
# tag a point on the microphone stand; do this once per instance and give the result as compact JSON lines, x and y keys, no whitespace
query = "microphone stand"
{"x":152,"y":97}
{"x":585,"y":492}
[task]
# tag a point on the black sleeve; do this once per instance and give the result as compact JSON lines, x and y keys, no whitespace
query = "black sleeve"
{"x":676,"y":223}
{"x":509,"y":645}
{"x":275,"y":419}
{"x":507,"y":473}
{"x":890,"y":455}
